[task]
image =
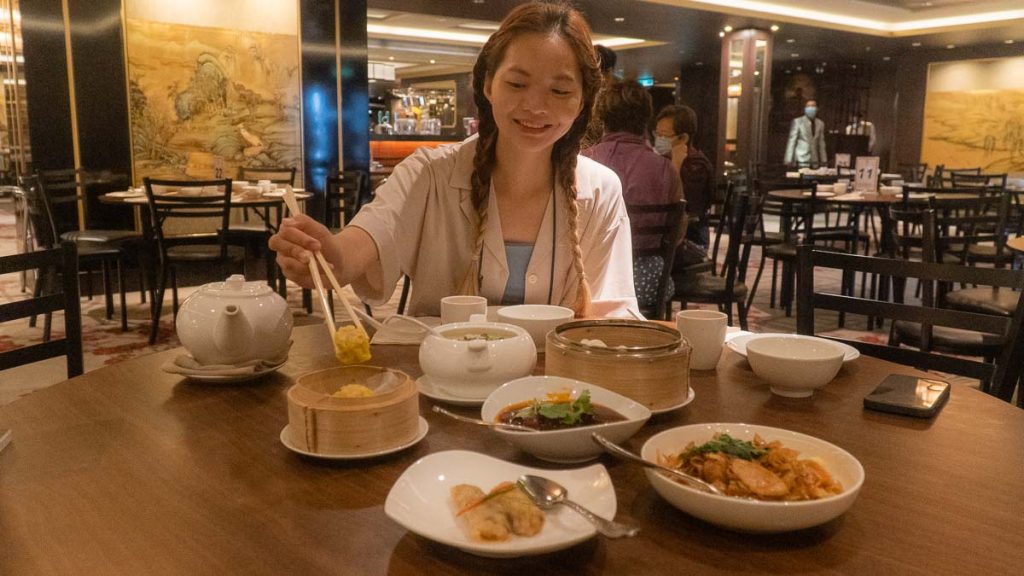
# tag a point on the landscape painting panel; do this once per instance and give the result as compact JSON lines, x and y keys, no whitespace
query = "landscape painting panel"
{"x":209,"y":97}
{"x":974,"y":116}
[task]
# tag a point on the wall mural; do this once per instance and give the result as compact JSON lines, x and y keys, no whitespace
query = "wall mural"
{"x":206,"y":101}
{"x":974,"y":115}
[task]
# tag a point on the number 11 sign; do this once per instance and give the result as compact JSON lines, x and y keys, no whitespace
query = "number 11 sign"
{"x":865,"y":175}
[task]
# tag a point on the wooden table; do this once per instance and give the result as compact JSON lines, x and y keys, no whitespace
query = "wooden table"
{"x":129,"y":470}
{"x":1016,"y":244}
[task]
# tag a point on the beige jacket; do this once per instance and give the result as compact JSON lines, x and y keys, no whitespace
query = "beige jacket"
{"x":423,"y":223}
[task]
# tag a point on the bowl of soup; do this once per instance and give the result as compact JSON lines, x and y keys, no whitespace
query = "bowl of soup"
{"x":471,"y":359}
{"x":565,"y":412}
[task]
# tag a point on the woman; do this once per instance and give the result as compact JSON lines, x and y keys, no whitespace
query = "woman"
{"x":625,"y":109}
{"x":674,"y":131}
{"x":509,"y":214}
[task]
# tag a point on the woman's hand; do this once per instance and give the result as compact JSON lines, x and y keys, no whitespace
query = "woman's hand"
{"x":298,"y":238}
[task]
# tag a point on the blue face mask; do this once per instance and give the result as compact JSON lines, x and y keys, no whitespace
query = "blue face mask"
{"x":663,"y":145}
{"x":811,"y":112}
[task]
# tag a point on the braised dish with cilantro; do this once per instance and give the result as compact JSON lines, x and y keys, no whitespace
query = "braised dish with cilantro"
{"x":558,"y":411}
{"x":755,"y":469}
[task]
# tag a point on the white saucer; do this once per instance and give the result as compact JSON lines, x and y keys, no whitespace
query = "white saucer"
{"x":689,"y":398}
{"x":739,"y":344}
{"x":430,"y":390}
{"x":226,"y":379}
{"x":424,"y":428}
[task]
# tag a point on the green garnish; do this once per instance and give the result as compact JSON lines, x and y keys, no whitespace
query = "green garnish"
{"x":568,"y":413}
{"x":743,"y":449}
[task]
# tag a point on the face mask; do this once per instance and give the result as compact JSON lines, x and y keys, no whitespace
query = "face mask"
{"x":662,"y":145}
{"x":811,"y":111}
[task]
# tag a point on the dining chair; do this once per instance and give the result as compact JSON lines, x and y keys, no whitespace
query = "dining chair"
{"x":64,"y":191}
{"x":657,"y":230}
{"x":90,"y":254}
{"x":734,"y":183}
{"x":187,"y":203}
{"x":913,"y":171}
{"x":344,"y":196}
{"x":728,"y":288}
{"x":254,"y":233}
{"x":932,"y":323}
{"x":61,"y":261}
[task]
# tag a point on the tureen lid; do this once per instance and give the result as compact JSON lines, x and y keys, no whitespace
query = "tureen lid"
{"x":236,"y":287}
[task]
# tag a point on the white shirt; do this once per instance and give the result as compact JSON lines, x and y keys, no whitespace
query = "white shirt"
{"x":424,"y":225}
{"x":863,"y":128}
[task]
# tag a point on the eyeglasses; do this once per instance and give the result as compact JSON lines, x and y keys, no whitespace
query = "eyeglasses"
{"x":663,"y":135}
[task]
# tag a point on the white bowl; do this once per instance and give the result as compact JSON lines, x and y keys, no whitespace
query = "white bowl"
{"x":794,"y":367}
{"x":749,"y":515}
{"x":537,"y":319}
{"x":571,"y":444}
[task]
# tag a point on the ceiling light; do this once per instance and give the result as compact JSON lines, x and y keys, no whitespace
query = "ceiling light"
{"x":391,"y":57}
{"x":620,"y":19}
{"x":721,"y":34}
{"x":676,"y":78}
{"x":1007,"y":41}
{"x":915,"y":44}
{"x":700,"y":64}
{"x":950,"y":46}
{"x":447,"y":34}
{"x":794,"y":55}
{"x":377,"y":15}
{"x":886,"y":58}
{"x":490,"y":26}
{"x":478,"y":1}
{"x":790,"y":40}
{"x":775,"y":27}
{"x":432,"y":61}
{"x":727,"y":28}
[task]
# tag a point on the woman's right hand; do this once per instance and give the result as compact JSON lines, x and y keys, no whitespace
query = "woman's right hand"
{"x":296,"y":241}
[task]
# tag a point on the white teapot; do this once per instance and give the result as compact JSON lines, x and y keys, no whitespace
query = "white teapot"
{"x":234,"y":321}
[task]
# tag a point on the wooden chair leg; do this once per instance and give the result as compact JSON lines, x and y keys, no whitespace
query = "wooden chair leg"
{"x":156,"y":306}
{"x":742,"y":310}
{"x":757,"y":280}
{"x":108,"y":293}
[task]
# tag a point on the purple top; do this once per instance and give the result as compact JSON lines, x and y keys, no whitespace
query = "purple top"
{"x":647,"y":177}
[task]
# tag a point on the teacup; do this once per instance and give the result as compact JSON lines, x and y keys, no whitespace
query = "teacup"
{"x":705,"y":331}
{"x":461,"y":308}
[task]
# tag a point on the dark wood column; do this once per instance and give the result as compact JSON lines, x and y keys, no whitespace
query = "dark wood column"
{"x":318,"y":20}
{"x":355,"y":92}
{"x":46,"y":85}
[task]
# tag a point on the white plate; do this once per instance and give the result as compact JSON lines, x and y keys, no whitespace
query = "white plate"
{"x":420,"y":501}
{"x":424,"y":428}
{"x":226,"y":379}
{"x":739,"y":344}
{"x":430,"y":390}
{"x":689,"y":398}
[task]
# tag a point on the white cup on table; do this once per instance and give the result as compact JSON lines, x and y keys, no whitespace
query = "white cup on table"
{"x":461,"y":308}
{"x":705,"y":331}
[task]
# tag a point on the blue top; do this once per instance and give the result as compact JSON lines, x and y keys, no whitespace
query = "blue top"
{"x":518,"y":256}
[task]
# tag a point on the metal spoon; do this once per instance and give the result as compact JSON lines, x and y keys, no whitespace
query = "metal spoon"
{"x":479,"y":422}
{"x":546,"y":493}
{"x":613,"y":448}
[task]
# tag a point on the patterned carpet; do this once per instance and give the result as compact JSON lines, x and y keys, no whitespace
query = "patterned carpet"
{"x":104,"y":343}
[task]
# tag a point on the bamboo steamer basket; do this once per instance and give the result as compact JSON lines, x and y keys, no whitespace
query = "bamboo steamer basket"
{"x":323,"y":424}
{"x":644,"y":361}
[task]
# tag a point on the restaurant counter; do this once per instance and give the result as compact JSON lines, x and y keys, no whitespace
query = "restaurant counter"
{"x":390,"y":150}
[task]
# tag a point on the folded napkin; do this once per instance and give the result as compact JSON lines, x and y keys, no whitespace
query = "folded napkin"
{"x":397,"y":331}
{"x":186,"y":365}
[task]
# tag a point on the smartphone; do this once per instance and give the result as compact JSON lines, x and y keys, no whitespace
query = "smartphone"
{"x":908,"y":395}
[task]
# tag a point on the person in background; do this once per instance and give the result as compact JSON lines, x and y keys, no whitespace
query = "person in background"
{"x":674,"y":131}
{"x":806,"y":145}
{"x":513,"y":213}
{"x":861,"y":127}
{"x":625,"y":109}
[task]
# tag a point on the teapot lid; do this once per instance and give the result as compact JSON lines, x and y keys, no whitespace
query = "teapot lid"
{"x":236,"y":287}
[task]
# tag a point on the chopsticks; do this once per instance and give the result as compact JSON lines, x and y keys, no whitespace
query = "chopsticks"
{"x":293,"y":207}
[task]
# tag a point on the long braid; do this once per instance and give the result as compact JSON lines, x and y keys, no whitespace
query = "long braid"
{"x":563,"y":157}
{"x":483,"y":166}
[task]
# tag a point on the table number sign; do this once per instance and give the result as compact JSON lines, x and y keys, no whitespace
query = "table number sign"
{"x":842,"y":161}
{"x":865,"y":174}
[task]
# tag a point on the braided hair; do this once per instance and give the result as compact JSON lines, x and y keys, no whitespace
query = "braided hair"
{"x":545,"y":18}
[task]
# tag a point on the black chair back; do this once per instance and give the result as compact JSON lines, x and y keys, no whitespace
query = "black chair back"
{"x":345,"y":195}
{"x":40,"y":213}
{"x":183,"y":199}
{"x":1000,"y":375}
{"x":657,"y":229}
{"x":62,"y":261}
{"x":276,"y":175}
